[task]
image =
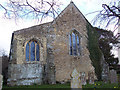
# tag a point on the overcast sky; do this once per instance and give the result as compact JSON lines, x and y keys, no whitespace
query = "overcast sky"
{"x":8,"y":26}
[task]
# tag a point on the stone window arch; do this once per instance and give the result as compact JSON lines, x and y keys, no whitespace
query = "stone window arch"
{"x":75,"y":43}
{"x":32,"y":51}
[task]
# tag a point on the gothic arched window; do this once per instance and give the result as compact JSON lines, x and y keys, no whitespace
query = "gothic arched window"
{"x":74,"y":43}
{"x":32,"y":51}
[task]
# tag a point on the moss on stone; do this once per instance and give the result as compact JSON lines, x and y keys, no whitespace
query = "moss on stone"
{"x":95,"y":52}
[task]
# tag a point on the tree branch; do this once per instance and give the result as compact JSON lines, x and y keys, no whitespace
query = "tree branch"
{"x":37,"y":9}
{"x":111,"y":11}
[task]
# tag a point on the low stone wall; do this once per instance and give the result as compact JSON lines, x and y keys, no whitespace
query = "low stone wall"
{"x":25,"y":74}
{"x":1,"y":81}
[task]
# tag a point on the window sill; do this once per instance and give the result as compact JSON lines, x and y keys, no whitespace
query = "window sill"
{"x":75,"y":56}
{"x":32,"y":62}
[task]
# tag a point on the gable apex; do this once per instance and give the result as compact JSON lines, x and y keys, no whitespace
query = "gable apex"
{"x":71,"y":1}
{"x":70,"y":7}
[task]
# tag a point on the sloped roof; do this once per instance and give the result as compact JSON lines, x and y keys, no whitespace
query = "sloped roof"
{"x":41,"y":26}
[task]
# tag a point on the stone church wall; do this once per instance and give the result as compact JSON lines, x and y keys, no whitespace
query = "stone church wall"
{"x":21,"y":37}
{"x":25,"y":74}
{"x":70,"y":19}
{"x":44,"y":35}
{"x":53,"y":39}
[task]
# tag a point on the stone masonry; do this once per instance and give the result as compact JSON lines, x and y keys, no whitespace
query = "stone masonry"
{"x":1,"y":81}
{"x":56,"y":64}
{"x":1,"y":77}
{"x":113,"y":76}
{"x":25,"y":74}
{"x":0,"y":65}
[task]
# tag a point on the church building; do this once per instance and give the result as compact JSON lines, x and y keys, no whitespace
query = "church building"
{"x":49,"y":52}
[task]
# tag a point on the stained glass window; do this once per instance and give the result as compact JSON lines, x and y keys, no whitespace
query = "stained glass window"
{"x":32,"y":51}
{"x":74,"y":43}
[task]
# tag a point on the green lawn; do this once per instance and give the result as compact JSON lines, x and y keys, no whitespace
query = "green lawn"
{"x":93,"y":86}
{"x":101,"y":85}
{"x":38,"y":87}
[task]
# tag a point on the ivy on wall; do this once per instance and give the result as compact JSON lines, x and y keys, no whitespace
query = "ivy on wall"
{"x":95,"y":52}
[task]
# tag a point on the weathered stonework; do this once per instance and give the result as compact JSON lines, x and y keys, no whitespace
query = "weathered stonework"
{"x":25,"y":74}
{"x":53,"y":39}
{"x":113,"y":76}
{"x":1,"y":81}
{"x":5,"y":62}
{"x":105,"y":70}
{"x":75,"y":80}
{"x":0,"y":65}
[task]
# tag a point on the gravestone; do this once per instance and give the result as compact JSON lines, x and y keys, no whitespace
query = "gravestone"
{"x":75,"y":81}
{"x":83,"y":78}
{"x":105,"y":70}
{"x":1,"y":81}
{"x":91,"y":77}
{"x":113,"y":76}
{"x":105,"y":73}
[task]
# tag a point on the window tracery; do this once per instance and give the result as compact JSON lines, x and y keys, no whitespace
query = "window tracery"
{"x":32,"y":51}
{"x":74,"y":43}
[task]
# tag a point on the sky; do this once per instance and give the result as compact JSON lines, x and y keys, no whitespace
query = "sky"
{"x":7,"y":26}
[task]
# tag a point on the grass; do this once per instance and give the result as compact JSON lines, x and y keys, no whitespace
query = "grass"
{"x":67,"y":86}
{"x":102,"y":85}
{"x":41,"y":86}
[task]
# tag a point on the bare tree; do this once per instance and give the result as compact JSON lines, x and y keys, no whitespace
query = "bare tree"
{"x":31,"y":9}
{"x":109,"y":15}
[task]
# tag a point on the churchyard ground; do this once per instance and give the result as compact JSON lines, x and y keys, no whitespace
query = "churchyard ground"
{"x":99,"y":84}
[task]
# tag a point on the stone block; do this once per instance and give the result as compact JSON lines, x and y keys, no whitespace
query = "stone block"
{"x":105,"y":70}
{"x":113,"y":76}
{"x":25,"y":74}
{"x":1,"y":81}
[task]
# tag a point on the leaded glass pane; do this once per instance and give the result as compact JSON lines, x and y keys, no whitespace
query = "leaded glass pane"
{"x":78,"y":45}
{"x":74,"y":44}
{"x":70,"y":44}
{"x":27,"y":52}
{"x":37,"y":52}
{"x":32,"y":53}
